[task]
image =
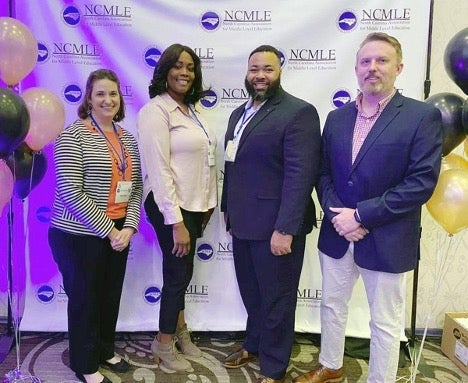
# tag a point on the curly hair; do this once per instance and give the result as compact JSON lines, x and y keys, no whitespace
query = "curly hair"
{"x":167,"y":61}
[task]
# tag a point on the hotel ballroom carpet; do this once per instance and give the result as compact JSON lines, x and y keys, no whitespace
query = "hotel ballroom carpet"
{"x":44,"y":356}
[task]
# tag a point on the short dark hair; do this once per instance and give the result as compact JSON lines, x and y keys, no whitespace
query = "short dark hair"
{"x":381,"y":36}
{"x":101,"y":74}
{"x":167,"y":61}
{"x":266,"y":48}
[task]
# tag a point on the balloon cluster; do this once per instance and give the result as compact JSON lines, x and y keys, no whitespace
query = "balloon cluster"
{"x":449,"y":203}
{"x":27,"y":123}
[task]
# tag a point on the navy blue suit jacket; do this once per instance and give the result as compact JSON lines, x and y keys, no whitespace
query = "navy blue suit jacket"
{"x":269,"y":185}
{"x":393,"y":175}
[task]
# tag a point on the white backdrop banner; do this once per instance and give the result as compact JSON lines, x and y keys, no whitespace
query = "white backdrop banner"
{"x":318,"y":43}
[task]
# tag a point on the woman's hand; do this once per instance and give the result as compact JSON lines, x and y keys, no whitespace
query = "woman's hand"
{"x":181,"y":238}
{"x":120,"y":239}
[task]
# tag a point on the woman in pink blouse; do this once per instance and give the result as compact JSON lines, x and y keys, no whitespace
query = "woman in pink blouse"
{"x":178,"y":152}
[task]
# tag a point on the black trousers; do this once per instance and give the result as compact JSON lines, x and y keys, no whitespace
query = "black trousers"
{"x":177,"y":271}
{"x":268,"y":287}
{"x":93,"y":275}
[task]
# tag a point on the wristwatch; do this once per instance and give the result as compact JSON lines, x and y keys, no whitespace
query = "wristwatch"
{"x":283,"y":232}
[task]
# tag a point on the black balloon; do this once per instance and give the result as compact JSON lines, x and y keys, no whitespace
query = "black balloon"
{"x":14,"y":121}
{"x":28,"y":169}
{"x":450,"y":106}
{"x":456,"y":59}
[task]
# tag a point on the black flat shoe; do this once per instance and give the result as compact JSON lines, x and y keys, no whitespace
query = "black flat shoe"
{"x":82,"y":378}
{"x":122,"y":366}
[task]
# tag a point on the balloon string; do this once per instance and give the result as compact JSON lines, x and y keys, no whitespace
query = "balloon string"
{"x":16,"y":375}
{"x":441,"y":268}
{"x":32,"y":172}
{"x":14,"y":168}
{"x":15,"y":310}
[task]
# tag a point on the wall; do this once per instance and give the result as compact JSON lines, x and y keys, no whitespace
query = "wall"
{"x":450,"y":295}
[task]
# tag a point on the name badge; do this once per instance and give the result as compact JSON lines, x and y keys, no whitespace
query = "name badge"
{"x":124,"y":189}
{"x":231,"y":150}
{"x":211,"y":156}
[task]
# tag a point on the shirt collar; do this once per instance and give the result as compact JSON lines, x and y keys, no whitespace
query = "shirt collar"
{"x":171,"y":103}
{"x":381,"y":105}
{"x":249,"y":104}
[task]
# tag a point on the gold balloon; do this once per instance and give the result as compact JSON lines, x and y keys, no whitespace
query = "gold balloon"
{"x":449,"y":203}
{"x":47,"y":117}
{"x":18,"y":50}
{"x":453,"y":161}
{"x":466,"y":147}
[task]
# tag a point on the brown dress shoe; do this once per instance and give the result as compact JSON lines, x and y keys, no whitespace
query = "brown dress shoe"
{"x":266,"y":379}
{"x":320,"y":374}
{"x":239,"y":358}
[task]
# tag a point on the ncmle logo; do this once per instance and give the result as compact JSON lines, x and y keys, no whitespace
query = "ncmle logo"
{"x":205,"y":252}
{"x":209,"y":100}
{"x":152,"y":295}
{"x":98,"y":15}
{"x":340,"y":98}
{"x":42,"y":52}
{"x":72,"y":93}
{"x":210,"y":21}
{"x":71,"y":15}
{"x":347,"y":21}
{"x":282,"y":58}
{"x":152,"y":56}
{"x":45,"y":294}
{"x":43,"y":214}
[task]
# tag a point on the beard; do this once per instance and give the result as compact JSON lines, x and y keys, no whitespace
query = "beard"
{"x":263,"y":95}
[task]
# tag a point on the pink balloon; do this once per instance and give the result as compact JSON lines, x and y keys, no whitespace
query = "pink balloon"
{"x":6,"y":182}
{"x":47,"y":117}
{"x":18,"y":50}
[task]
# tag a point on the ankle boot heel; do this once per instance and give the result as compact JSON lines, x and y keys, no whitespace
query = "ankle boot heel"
{"x":184,"y":340}
{"x":168,"y":356}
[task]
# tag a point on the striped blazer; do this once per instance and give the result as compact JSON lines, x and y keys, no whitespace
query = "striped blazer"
{"x":83,"y":170}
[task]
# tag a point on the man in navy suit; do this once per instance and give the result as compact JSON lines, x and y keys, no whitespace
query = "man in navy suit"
{"x":272,"y":160}
{"x":380,"y":164}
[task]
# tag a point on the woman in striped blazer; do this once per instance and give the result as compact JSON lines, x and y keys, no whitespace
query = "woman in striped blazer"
{"x":95,"y":213}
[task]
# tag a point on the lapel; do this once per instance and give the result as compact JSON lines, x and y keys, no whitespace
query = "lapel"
{"x":236,"y":115}
{"x":382,"y":123}
{"x":346,"y":132}
{"x":264,"y":111}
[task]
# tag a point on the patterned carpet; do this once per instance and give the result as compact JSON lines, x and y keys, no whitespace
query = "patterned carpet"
{"x":45,"y":357}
